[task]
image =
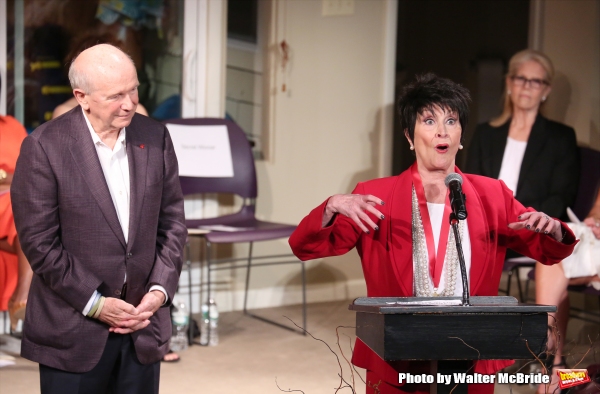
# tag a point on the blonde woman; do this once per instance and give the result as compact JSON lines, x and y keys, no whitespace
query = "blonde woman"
{"x":537,"y":158}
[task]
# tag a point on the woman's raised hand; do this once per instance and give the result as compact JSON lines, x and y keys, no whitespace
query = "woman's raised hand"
{"x":355,"y":207}
{"x":539,"y":222}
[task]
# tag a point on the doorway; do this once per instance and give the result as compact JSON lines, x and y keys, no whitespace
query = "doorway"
{"x":467,"y":41}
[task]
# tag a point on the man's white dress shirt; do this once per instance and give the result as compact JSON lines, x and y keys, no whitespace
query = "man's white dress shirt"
{"x":116,"y":172}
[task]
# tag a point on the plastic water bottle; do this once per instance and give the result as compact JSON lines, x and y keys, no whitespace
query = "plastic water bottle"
{"x":209,"y":325}
{"x":181,"y":318}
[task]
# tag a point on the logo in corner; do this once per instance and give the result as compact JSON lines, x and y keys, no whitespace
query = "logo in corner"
{"x":572,"y":377}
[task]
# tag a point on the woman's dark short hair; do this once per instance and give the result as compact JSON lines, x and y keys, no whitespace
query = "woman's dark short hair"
{"x":427,"y":92}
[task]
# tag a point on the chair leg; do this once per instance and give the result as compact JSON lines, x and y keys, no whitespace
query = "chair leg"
{"x":527,"y":289}
{"x":304,"y":306}
{"x":519,"y":288}
{"x":511,"y":274}
{"x":248,"y":278}
{"x":303,"y":298}
{"x":208,"y":284}
{"x":188,"y":264}
{"x":509,"y":280}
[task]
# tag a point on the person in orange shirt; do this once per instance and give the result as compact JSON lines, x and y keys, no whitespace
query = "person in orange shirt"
{"x":15,"y":272}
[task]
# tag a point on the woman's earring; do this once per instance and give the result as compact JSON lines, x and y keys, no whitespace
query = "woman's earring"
{"x":460,"y":146}
{"x":508,"y":92}
{"x":543,"y":99}
{"x":412,"y":147}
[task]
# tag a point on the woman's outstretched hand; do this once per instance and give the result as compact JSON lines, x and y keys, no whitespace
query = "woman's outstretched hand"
{"x":355,"y":207}
{"x":539,"y":222}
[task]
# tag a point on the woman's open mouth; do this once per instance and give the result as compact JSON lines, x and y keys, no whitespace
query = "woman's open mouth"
{"x":442,"y":148}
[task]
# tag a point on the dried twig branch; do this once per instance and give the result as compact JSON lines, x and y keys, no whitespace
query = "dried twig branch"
{"x":466,"y":344}
{"x":331,"y":350}
{"x":288,"y":390}
{"x":375,"y":386}
{"x":353,"y":367}
{"x":337,"y":333}
{"x":586,"y":353}
{"x":344,"y":386}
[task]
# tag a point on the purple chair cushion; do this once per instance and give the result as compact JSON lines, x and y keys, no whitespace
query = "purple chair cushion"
{"x":509,"y":264}
{"x":251,"y":229}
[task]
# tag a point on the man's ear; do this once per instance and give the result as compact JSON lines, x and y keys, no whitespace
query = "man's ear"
{"x":81,"y":98}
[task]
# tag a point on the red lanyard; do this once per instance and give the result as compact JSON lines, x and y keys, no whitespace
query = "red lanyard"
{"x":435,"y":263}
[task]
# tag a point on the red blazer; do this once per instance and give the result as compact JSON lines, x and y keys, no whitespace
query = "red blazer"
{"x":387,"y":256}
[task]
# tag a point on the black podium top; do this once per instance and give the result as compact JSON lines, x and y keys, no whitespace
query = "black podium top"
{"x":403,"y":305}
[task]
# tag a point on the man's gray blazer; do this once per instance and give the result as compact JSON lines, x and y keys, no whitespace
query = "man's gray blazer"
{"x":69,"y":230}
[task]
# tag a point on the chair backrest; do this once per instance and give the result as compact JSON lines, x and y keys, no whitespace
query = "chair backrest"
{"x":243,"y":182}
{"x":589,"y":182}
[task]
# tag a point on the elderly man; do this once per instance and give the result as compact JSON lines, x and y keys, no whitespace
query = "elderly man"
{"x":99,"y":213}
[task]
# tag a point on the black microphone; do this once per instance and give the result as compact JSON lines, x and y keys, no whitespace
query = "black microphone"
{"x":457,"y":197}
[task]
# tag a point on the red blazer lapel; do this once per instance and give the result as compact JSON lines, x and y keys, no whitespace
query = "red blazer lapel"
{"x":478,"y":234}
{"x":400,"y":232}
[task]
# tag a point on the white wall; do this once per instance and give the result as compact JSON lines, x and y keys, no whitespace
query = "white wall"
{"x":204,"y":45}
{"x":325,"y":135}
{"x":571,"y":38}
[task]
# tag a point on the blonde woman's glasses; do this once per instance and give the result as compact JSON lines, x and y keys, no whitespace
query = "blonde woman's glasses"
{"x":534,"y":83}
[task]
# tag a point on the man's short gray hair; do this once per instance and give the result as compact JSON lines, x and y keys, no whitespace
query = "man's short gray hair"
{"x":79,"y":79}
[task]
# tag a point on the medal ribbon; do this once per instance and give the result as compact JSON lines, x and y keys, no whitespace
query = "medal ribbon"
{"x":436,"y":263}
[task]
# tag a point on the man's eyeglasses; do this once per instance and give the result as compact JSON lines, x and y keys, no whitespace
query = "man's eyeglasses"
{"x":533,"y":83}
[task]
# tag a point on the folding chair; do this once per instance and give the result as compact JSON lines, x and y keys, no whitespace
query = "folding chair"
{"x":244,"y":184}
{"x":512,"y":266}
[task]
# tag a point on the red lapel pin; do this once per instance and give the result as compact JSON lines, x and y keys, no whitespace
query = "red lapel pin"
{"x":142,"y":146}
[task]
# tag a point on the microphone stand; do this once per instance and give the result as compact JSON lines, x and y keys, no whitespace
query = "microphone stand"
{"x":461,"y":260}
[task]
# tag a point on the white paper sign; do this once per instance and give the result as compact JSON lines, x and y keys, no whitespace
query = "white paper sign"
{"x":202,"y":151}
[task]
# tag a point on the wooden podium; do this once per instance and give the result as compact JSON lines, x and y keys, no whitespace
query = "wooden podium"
{"x":434,"y":328}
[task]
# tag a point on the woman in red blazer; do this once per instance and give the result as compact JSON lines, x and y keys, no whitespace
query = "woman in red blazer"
{"x":396,"y":224}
